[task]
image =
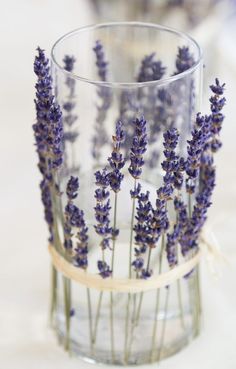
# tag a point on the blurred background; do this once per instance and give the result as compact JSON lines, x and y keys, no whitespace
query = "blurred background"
{"x":26,"y":340}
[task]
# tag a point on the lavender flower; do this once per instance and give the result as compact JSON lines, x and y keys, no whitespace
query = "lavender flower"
{"x":100,"y":60}
{"x":172,"y":165}
{"x":175,"y":236}
{"x":102,"y":216}
{"x":100,"y":137}
{"x":70,"y":211}
{"x":196,"y":145}
{"x":184,"y":61}
{"x":70,"y":104}
{"x":150,"y":70}
{"x":135,"y":193}
{"x":72,"y":188}
{"x":47,"y":202}
{"x":217,"y":104}
{"x":48,"y":133}
{"x":69,"y":62}
{"x":74,"y":218}
{"x":80,"y":258}
{"x":138,"y":148}
{"x":104,"y":269}
{"x":116,"y":159}
{"x":141,"y":229}
{"x":207,"y":175}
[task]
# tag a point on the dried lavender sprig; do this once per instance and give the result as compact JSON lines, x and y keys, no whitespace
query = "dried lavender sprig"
{"x":116,"y":159}
{"x":116,"y":162}
{"x":200,"y":136}
{"x":48,"y":132}
{"x":217,"y":104}
{"x":150,"y":70}
{"x":49,"y":135}
{"x":100,"y":137}
{"x":102,"y":216}
{"x":185,"y":60}
{"x":138,"y":148}
{"x":206,"y":126}
{"x":75,"y":219}
{"x":69,"y":105}
{"x":141,"y":230}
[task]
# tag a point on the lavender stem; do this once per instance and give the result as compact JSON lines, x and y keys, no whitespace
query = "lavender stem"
{"x":97,"y":318}
{"x":136,"y":320}
{"x":66,"y":289}
{"x":53,"y":306}
{"x":164,"y":324}
{"x":130,"y":275}
{"x":111,"y":294}
{"x":90,"y":316}
{"x":154,"y":334}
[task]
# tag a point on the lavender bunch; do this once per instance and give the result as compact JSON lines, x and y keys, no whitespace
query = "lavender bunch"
{"x":200,"y":136}
{"x":70,"y":211}
{"x":102,"y":213}
{"x":206,"y":125}
{"x":104,"y":93}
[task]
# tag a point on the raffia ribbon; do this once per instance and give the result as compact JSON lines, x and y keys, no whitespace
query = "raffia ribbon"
{"x":125,"y":285}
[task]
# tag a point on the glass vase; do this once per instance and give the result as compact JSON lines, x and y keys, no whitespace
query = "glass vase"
{"x":104,"y":74}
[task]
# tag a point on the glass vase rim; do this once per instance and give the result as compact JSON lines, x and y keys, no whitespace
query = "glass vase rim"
{"x":115,"y":84}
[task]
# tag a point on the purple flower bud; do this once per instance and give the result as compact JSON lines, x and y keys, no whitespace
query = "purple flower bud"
{"x":185,"y":60}
{"x":104,"y":270}
{"x":72,"y":187}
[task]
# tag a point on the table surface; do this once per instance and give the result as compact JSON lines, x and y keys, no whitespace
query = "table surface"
{"x":26,"y":341}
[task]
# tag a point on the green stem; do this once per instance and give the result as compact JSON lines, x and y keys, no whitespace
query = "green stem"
{"x":180,"y":304}
{"x":195,"y":312}
{"x":154,"y":333}
{"x":164,"y":324}
{"x":53,"y":306}
{"x":112,"y":328}
{"x":131,"y":234}
{"x":127,"y":329}
{"x":97,"y":318}
{"x":111,"y":293}
{"x":67,"y":303}
{"x":90,"y":317}
{"x":130,"y":275}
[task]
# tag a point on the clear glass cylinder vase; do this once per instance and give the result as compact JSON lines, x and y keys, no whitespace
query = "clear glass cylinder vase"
{"x":102,"y":75}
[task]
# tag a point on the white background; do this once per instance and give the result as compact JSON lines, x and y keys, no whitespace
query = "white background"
{"x":26,"y":342}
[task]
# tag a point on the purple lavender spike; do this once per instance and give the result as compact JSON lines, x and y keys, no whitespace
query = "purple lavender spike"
{"x":48,"y":133}
{"x":138,"y":149}
{"x":217,"y":104}
{"x":184,"y":61}
{"x":102,"y":216}
{"x":104,"y":94}
{"x":116,"y":159}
